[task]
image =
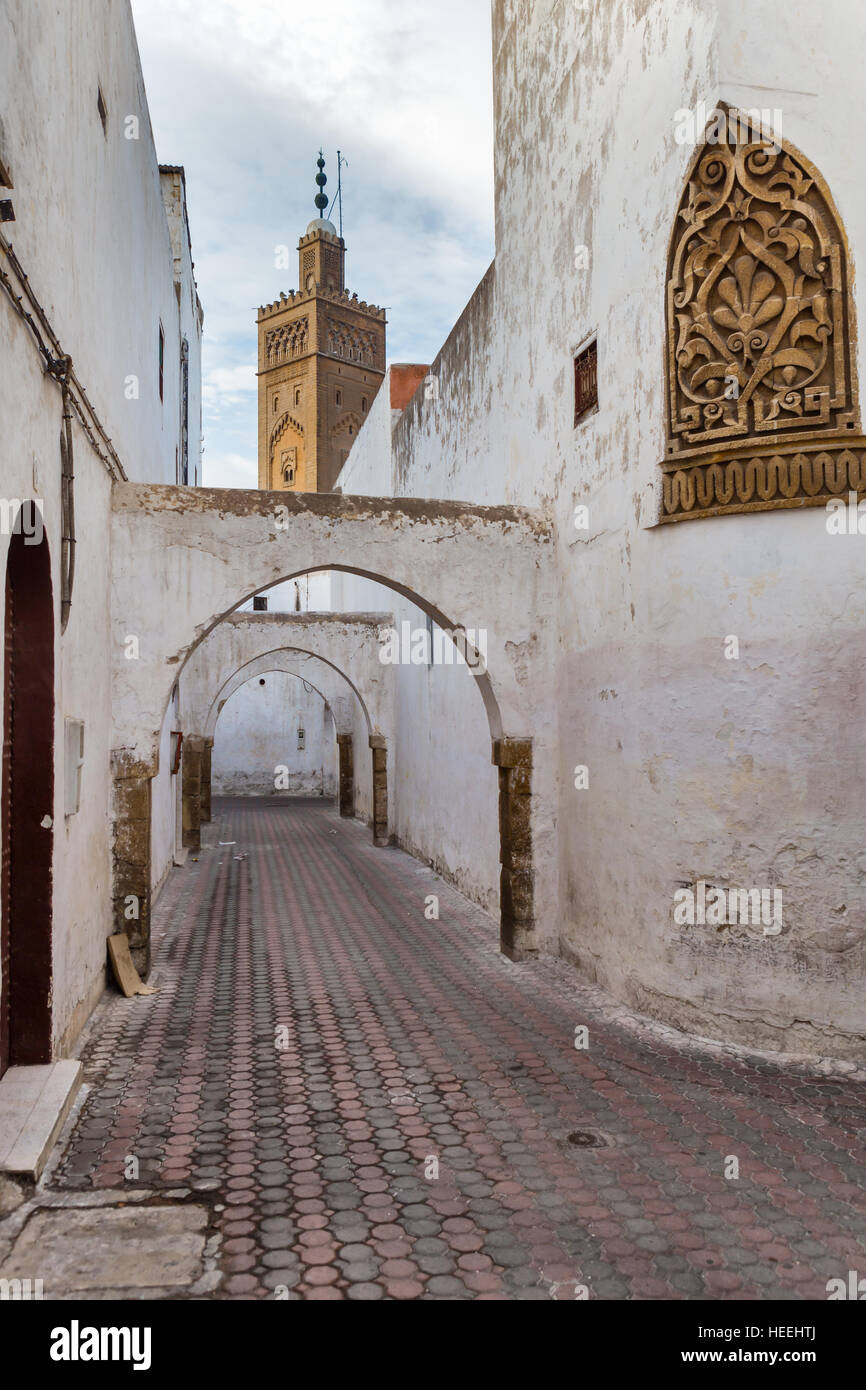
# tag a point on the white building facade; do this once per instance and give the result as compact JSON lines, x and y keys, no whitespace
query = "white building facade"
{"x":100,"y":342}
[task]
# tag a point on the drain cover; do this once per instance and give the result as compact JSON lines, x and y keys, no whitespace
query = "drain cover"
{"x":590,"y":1137}
{"x":585,"y":1139}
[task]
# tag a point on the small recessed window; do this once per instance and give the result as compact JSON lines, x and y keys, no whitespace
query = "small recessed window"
{"x":74,"y":757}
{"x":102,"y":109}
{"x":297,"y":395}
{"x":586,"y":381}
{"x":363,"y":402}
{"x":339,"y":398}
{"x":276,"y":404}
{"x":161,"y":362}
{"x":260,"y":604}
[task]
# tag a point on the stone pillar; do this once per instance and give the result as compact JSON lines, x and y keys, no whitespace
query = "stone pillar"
{"x":347,"y":774}
{"x":191,"y":759}
{"x":513,"y":757}
{"x":131,"y":811}
{"x":380,"y":789}
{"x":204,"y":794}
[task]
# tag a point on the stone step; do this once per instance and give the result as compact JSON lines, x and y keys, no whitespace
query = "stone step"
{"x":34,"y":1102}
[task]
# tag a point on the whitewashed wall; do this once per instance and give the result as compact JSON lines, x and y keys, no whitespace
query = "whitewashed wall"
{"x":442,"y":785}
{"x":92,"y":234}
{"x":257,"y":732}
{"x":699,"y":767}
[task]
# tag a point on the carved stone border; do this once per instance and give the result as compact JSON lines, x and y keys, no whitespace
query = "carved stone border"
{"x":759,"y":481}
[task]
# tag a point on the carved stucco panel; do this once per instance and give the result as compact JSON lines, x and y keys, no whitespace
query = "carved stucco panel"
{"x":762,"y":404}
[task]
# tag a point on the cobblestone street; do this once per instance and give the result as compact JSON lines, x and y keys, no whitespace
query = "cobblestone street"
{"x":316,"y":1046}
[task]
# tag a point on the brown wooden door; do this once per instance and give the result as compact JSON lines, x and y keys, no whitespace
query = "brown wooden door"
{"x":28,"y":806}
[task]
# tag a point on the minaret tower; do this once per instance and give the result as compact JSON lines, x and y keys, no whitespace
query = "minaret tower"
{"x":321,"y":362}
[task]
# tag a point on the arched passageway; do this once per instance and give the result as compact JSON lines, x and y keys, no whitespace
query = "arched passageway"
{"x":283,"y":659}
{"x":274,"y":734}
{"x":28,"y":803}
{"x":466,"y":567}
{"x":212,"y":684}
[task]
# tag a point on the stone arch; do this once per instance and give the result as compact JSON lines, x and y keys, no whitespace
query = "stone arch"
{"x":277,"y":660}
{"x":761,"y":383}
{"x":350,"y":421}
{"x":285,"y":422}
{"x":482,"y":678}
{"x":247,"y":675}
{"x":214,"y":549}
{"x":266,"y":662}
{"x":287,"y":428}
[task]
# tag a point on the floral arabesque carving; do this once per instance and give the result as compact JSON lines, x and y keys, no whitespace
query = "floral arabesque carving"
{"x":759,"y":320}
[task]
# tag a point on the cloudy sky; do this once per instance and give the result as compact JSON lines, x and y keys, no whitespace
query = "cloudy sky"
{"x":243,"y":93}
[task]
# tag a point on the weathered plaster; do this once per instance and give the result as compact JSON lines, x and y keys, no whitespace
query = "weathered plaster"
{"x":699,"y":766}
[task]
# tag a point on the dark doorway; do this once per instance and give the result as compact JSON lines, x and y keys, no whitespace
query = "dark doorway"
{"x":28,"y":801}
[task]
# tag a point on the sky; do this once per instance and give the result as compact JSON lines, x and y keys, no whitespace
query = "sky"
{"x":244,"y":92}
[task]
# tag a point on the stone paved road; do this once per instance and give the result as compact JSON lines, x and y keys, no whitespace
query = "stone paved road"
{"x":317,"y":1046}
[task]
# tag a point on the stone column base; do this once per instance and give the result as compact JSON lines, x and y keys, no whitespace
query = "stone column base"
{"x":380,"y":790}
{"x":204,"y":793}
{"x":347,"y":774}
{"x":191,"y":760}
{"x":131,"y":813}
{"x":517,"y":938}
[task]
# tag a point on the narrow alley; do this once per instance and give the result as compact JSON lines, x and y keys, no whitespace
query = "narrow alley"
{"x":339,"y":1095}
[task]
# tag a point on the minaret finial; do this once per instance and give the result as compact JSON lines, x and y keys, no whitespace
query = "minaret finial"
{"x":321,"y":198}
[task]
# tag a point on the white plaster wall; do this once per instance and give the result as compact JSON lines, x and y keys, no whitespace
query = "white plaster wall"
{"x":91,"y":226}
{"x":369,"y":467}
{"x":441,"y":782}
{"x":308,"y":593}
{"x":92,"y":236}
{"x":189,"y":319}
{"x":442,"y":785}
{"x":699,"y":767}
{"x":257,"y":731}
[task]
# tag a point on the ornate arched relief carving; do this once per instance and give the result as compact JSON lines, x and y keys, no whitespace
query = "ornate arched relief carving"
{"x":762,"y":407}
{"x":349,"y":422}
{"x":283,"y":462}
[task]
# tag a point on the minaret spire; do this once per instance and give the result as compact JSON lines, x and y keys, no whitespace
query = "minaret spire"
{"x":321,"y":198}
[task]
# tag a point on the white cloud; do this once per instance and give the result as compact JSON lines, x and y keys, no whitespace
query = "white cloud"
{"x":224,"y":384}
{"x":231,"y":470}
{"x":406,"y":80}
